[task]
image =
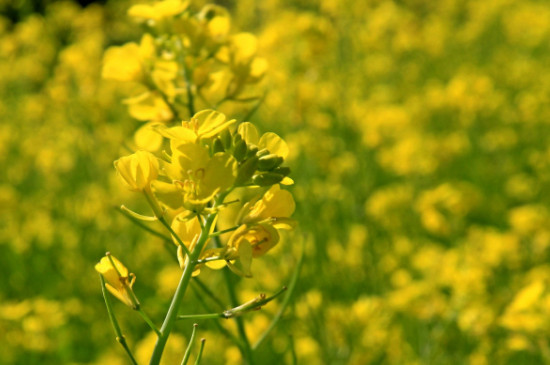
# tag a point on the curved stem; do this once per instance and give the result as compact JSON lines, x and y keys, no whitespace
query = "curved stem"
{"x":119,"y":336}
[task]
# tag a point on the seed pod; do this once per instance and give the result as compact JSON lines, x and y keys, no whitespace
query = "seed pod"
{"x":267,"y":178}
{"x":246,"y":170}
{"x":283,"y":170}
{"x":269,"y":162}
{"x":239,"y":152}
{"x":218,"y":146}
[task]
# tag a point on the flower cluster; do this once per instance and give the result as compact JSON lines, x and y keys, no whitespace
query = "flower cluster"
{"x":186,"y":61}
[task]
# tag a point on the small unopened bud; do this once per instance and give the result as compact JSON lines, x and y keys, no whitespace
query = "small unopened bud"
{"x":218,"y":146}
{"x":237,"y":138}
{"x":268,"y":162}
{"x":226,"y":139}
{"x":246,"y":170}
{"x":240,"y":150}
{"x":283,"y":170}
{"x":267,"y":178}
{"x":252,"y":150}
{"x":262,"y":152}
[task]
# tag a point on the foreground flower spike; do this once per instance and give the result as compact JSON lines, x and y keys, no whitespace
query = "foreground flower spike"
{"x":118,"y":280}
{"x":138,"y":170}
{"x":190,"y":157}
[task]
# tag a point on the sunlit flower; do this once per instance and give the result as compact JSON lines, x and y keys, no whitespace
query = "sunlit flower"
{"x":117,"y":279}
{"x":138,"y":170}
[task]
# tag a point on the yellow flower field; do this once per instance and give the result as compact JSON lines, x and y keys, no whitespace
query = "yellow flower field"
{"x":417,"y":135}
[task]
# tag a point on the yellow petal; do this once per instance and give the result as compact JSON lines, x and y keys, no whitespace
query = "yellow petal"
{"x":249,"y":133}
{"x":274,"y":144}
{"x":211,"y":123}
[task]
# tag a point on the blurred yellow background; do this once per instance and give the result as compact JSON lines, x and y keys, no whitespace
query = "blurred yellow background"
{"x":419,"y":134}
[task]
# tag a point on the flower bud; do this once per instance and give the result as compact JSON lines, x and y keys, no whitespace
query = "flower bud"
{"x":269,"y":162}
{"x":246,"y":170}
{"x":226,"y":139}
{"x":283,"y":170}
{"x":138,"y":170}
{"x":252,"y":150}
{"x":262,"y":152}
{"x":267,"y":178}
{"x":218,"y":146}
{"x":240,"y":150}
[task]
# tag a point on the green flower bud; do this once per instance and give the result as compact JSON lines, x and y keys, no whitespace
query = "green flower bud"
{"x":252,"y":149}
{"x":283,"y":170}
{"x":269,"y":162}
{"x":237,"y":138}
{"x":262,"y":152}
{"x":218,"y":146}
{"x":240,"y":150}
{"x":246,"y":170}
{"x":226,"y":138}
{"x":267,"y":178}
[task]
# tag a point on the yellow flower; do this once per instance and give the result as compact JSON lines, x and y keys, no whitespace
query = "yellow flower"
{"x":270,"y":141}
{"x":122,"y":63}
{"x":261,"y":237}
{"x":275,"y":206}
{"x":204,"y":124}
{"x":138,"y":170}
{"x":117,"y":280}
{"x":200,"y":176}
{"x":127,"y":62}
{"x":158,"y":10}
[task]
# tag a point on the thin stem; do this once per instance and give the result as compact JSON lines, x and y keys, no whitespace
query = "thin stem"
{"x":221,"y":328}
{"x":210,"y":259}
{"x":249,"y":306}
{"x":286,"y":301}
{"x":199,"y":356}
{"x":201,"y":316}
{"x":246,"y":349}
{"x":119,"y":336}
{"x":219,"y":233}
{"x":148,"y":321}
{"x":175,"y":235}
{"x":172,"y":314}
{"x":188,"y":82}
{"x":188,"y":350}
{"x":143,"y":226}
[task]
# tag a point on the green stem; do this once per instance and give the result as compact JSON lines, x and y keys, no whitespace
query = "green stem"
{"x":172,"y":314}
{"x":221,"y":328}
{"x":188,"y":349}
{"x":119,"y":336}
{"x":201,"y":316}
{"x":143,"y":226}
{"x":252,"y":305}
{"x":246,"y":349}
{"x":219,"y":233}
{"x":199,"y":356}
{"x":286,"y":300}
{"x":148,"y":321}
{"x":188,"y":81}
{"x":175,"y":235}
